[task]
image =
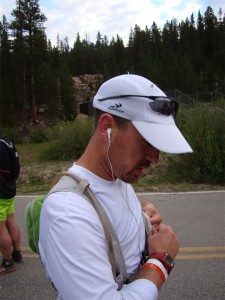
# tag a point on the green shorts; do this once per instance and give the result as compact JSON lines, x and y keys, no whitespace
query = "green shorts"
{"x":6,"y":208}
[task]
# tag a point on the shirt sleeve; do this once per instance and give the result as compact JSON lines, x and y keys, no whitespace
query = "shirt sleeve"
{"x":75,"y":254}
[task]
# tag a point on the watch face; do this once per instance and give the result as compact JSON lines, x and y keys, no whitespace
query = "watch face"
{"x":169,"y":259}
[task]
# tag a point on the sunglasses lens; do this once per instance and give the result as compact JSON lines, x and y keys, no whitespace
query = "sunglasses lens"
{"x":165,"y":107}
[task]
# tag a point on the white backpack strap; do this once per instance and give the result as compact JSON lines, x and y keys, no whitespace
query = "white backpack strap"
{"x":118,"y":265}
{"x":66,"y":182}
{"x":121,"y":272}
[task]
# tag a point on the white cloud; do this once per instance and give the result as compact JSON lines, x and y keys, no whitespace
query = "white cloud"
{"x":69,"y":17}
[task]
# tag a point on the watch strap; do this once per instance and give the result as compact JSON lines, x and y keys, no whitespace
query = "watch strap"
{"x":165,"y":258}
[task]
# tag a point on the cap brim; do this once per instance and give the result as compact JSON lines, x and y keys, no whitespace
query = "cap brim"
{"x":164,"y":137}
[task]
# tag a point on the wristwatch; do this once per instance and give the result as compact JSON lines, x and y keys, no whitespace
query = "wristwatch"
{"x":165,"y":259}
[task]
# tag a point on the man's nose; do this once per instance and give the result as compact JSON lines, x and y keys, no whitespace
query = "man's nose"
{"x":153,"y":155}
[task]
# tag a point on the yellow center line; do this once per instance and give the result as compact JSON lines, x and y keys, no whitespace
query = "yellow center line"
{"x":202,"y":249}
{"x":183,"y":249}
{"x":178,"y":257}
{"x":201,"y":256}
{"x":27,"y":253}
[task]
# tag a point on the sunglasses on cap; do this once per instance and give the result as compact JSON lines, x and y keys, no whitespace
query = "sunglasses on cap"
{"x":161,"y":104}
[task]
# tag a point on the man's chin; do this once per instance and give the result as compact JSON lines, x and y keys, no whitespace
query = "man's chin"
{"x":133,"y":179}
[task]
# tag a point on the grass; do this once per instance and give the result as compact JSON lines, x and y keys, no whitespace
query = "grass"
{"x":36,"y":174}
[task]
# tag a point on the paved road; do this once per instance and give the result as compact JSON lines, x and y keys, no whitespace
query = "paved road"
{"x":199,"y":220}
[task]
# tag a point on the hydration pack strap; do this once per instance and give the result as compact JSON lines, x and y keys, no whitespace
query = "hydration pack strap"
{"x":66,"y":182}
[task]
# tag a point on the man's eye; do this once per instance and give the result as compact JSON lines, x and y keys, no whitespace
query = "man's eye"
{"x":145,"y":143}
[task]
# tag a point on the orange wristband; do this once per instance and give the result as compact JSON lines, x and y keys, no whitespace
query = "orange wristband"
{"x":150,"y":265}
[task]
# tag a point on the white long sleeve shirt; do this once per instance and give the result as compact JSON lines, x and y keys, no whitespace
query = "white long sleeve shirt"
{"x":73,"y":247}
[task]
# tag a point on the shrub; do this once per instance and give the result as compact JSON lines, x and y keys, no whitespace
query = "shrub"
{"x":204,"y":128}
{"x":38,"y":134}
{"x":13,"y":134}
{"x":73,"y":140}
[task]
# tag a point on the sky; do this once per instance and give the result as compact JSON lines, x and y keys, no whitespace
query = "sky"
{"x":66,"y":18}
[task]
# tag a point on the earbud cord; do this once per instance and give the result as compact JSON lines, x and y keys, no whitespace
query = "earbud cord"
{"x":124,"y":197}
{"x":110,"y":164}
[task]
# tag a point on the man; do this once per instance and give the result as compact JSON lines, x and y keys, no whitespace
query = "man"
{"x":134,"y":120}
{"x":9,"y":231}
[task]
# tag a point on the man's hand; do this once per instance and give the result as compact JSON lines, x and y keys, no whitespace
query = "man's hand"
{"x":163,"y":239}
{"x":151,"y":211}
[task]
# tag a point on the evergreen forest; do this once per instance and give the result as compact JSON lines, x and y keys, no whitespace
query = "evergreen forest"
{"x":189,"y":56}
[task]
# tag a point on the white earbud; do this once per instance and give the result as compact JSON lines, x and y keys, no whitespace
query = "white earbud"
{"x":109,"y":135}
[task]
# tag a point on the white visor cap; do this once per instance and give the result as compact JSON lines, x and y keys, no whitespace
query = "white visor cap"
{"x":157,"y":129}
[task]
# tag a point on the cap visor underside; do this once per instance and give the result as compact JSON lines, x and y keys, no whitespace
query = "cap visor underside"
{"x":164,"y":137}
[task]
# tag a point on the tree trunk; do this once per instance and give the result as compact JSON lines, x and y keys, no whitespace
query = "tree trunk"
{"x":33,"y":97}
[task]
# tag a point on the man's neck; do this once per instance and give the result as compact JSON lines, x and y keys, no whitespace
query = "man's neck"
{"x":95,"y":161}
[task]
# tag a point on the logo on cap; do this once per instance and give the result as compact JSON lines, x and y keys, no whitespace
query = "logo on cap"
{"x":116,"y":107}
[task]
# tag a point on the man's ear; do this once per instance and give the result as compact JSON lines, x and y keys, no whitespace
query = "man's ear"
{"x":106,"y":121}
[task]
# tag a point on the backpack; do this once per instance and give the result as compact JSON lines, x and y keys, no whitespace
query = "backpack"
{"x":14,"y":156}
{"x":65,"y":182}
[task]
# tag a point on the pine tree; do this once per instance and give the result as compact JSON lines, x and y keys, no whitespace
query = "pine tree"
{"x":7,"y":111}
{"x":219,"y":54}
{"x":78,"y":55}
{"x":116,"y":58}
{"x":28,"y":25}
{"x":171,"y":56}
{"x":156,"y":52}
{"x":67,"y":92}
